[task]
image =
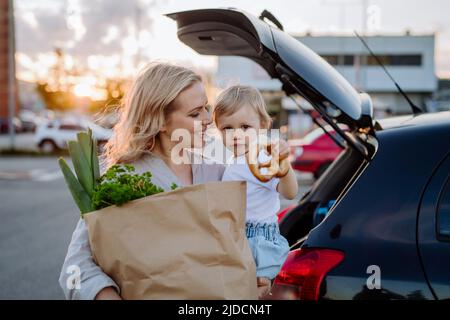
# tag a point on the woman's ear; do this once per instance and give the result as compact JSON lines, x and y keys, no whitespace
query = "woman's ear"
{"x":266,"y":124}
{"x":164,"y":125}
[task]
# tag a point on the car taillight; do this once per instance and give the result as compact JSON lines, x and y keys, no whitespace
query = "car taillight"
{"x":303,"y":272}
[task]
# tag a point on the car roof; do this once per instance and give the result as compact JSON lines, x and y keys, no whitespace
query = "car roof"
{"x":421,"y":119}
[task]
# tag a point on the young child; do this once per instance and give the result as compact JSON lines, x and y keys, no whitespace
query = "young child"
{"x":241,"y":109}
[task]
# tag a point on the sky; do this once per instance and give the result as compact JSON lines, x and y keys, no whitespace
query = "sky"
{"x":113,"y":37}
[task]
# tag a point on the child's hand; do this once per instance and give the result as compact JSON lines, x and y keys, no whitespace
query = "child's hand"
{"x":279,"y":152}
{"x":288,"y":186}
{"x":283,"y":148}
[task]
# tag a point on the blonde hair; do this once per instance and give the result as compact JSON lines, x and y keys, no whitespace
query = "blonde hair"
{"x":146,"y":106}
{"x":235,"y":97}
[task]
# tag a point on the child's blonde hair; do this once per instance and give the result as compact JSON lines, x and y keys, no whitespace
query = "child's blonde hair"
{"x":145,"y":109}
{"x":235,"y":97}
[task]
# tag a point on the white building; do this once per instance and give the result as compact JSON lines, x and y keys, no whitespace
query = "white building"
{"x":409,"y":59}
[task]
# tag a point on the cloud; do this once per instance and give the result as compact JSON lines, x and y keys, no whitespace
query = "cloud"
{"x":41,"y":36}
{"x":102,"y":16}
{"x":79,"y":27}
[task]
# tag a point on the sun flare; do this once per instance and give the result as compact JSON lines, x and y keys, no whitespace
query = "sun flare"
{"x":84,"y":90}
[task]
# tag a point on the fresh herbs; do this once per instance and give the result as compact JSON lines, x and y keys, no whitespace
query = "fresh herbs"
{"x":118,"y":185}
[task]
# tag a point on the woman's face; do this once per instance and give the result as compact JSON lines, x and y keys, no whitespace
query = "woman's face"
{"x":191,"y":113}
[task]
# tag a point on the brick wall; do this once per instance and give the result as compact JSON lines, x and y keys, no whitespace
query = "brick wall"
{"x":4,"y":61}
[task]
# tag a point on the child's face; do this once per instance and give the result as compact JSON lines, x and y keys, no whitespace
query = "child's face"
{"x":239,"y":128}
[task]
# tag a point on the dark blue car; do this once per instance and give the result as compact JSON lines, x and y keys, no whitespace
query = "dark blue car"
{"x":376,"y":225}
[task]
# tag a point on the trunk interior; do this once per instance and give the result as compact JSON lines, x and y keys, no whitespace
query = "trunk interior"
{"x":324,"y":195}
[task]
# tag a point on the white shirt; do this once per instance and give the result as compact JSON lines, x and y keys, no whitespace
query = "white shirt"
{"x":263,"y":201}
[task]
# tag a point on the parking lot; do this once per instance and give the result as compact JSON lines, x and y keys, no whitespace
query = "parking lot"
{"x":38,"y":217}
{"x":25,"y":141}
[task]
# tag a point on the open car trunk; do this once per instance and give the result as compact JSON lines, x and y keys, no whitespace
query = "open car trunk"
{"x":323,"y":196}
{"x":303,"y":72}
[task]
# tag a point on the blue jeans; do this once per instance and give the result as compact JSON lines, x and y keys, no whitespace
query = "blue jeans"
{"x":268,"y":246}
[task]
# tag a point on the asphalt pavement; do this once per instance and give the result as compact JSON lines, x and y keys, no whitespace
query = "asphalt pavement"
{"x":37,"y":219}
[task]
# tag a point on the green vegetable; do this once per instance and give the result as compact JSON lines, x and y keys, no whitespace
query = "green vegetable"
{"x":80,"y":196}
{"x":89,"y":148}
{"x":91,"y":191}
{"x":94,"y":162}
{"x":82,"y":166}
{"x":83,"y":152}
{"x":120,"y":184}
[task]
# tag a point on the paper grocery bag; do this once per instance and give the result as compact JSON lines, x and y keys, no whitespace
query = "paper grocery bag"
{"x":185,"y":244}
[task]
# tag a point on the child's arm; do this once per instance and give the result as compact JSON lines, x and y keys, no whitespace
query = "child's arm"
{"x":287,"y":186}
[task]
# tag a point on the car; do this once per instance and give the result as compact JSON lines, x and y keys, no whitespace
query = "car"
{"x":4,"y":125}
{"x":30,"y":120}
{"x":394,"y":218}
{"x":384,"y":231}
{"x":53,"y":135}
{"x":314,"y":152}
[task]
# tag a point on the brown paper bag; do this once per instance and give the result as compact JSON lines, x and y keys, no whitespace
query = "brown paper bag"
{"x":185,"y":244}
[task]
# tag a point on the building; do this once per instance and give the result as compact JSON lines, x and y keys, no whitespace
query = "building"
{"x":4,"y":66}
{"x":409,"y":59}
{"x":441,"y":98}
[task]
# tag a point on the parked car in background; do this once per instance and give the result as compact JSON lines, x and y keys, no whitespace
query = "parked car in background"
{"x":30,"y":120}
{"x":54,"y":134}
{"x":315,"y":152}
{"x":4,"y":125}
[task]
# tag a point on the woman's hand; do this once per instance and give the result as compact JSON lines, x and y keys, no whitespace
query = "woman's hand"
{"x":264,"y":286}
{"x":108,"y":293}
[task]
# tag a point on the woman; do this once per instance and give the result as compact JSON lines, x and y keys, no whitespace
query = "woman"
{"x":163,"y":98}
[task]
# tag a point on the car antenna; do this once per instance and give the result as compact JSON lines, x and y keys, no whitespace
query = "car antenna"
{"x":415,"y":109}
{"x":266,"y":14}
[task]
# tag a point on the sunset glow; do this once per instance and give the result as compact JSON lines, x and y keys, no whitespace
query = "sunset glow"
{"x":85,"y":90}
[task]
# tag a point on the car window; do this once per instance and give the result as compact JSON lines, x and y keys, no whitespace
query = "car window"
{"x":72,"y":127}
{"x":443,"y":213}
